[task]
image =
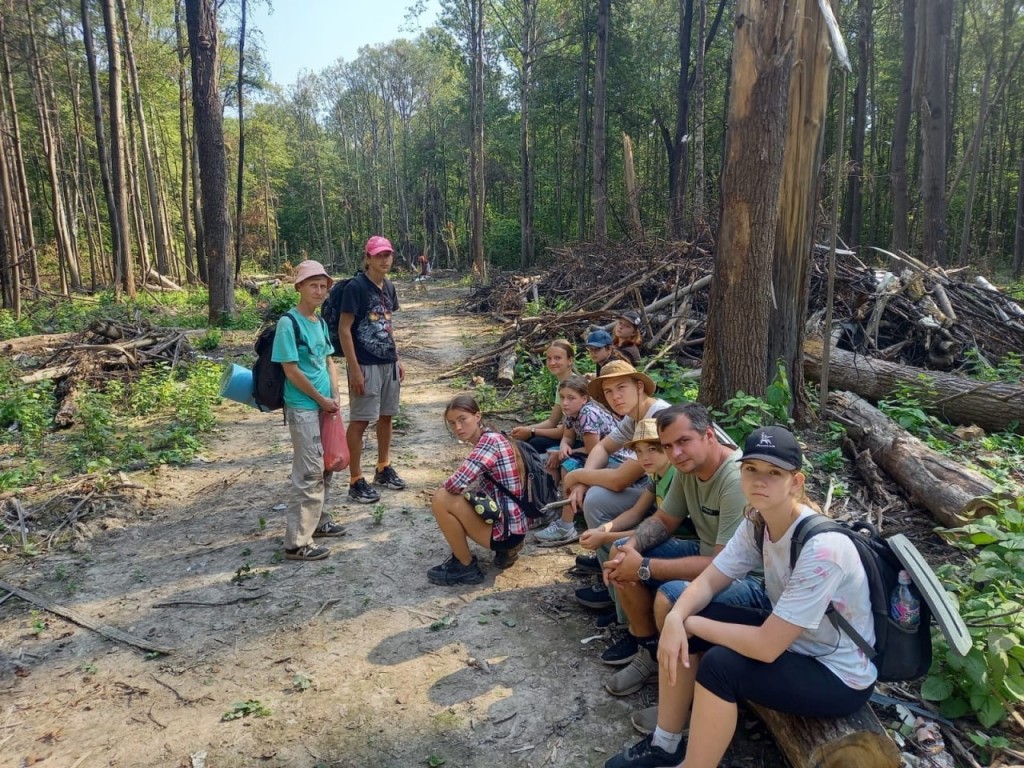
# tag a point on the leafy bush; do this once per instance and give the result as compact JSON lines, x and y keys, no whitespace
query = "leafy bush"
{"x":672,"y":386}
{"x":989,"y":681}
{"x":744,"y":413}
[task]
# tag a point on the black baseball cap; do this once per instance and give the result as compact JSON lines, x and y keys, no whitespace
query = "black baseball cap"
{"x":776,"y":445}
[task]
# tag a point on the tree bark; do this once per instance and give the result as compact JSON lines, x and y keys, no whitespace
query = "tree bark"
{"x":901,"y":133}
{"x":527,"y":52}
{"x":949,"y":491}
{"x":677,"y":151}
{"x":600,"y":174}
{"x":582,"y":132}
{"x":798,"y":201}
{"x":1018,"y":222}
{"x":737,"y":326}
{"x":975,"y":150}
{"x":240,"y":175}
{"x":186,"y":151}
{"x":201,"y":20}
{"x":854,"y":211}
{"x":992,"y":405}
{"x":934,"y":24}
{"x":700,"y":213}
{"x":833,"y":742}
{"x":124,"y":273}
{"x":23,"y":212}
{"x":476,"y":152}
{"x":152,"y":185}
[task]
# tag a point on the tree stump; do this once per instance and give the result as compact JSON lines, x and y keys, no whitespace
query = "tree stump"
{"x":857,"y":741}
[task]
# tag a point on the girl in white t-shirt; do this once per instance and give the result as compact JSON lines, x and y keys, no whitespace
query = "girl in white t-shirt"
{"x":792,"y":659}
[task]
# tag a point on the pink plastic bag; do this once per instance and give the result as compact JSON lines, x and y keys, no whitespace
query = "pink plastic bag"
{"x":332,"y":435}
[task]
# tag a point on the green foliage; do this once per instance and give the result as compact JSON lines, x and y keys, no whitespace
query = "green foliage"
{"x":989,"y":681}
{"x":672,"y":386}
{"x":210,"y":340}
{"x":378,"y":513}
{"x":907,"y":403}
{"x":1010,"y":369}
{"x":744,"y":413}
{"x":26,"y":410}
{"x":240,"y":709}
{"x":10,"y":328}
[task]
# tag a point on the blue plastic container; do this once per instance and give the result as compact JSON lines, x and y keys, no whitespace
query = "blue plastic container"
{"x":236,"y":384}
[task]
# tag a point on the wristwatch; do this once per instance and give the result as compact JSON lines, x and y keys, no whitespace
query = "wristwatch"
{"x":644,"y":571}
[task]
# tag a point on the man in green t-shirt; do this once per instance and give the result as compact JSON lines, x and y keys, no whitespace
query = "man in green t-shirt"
{"x":706,"y":491}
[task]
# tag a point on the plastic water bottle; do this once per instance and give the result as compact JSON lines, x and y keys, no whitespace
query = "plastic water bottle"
{"x":904,"y":605}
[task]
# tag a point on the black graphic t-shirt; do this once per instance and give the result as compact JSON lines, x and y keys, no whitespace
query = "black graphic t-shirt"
{"x":371,"y":331}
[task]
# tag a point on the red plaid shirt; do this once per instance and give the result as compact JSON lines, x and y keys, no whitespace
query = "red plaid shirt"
{"x":493,"y":456}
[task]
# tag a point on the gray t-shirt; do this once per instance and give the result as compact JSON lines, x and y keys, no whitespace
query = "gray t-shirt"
{"x":626,"y":428}
{"x":829,"y":571}
{"x":715,"y":506}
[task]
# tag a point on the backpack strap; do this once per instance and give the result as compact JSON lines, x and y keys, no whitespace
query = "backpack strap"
{"x":807,"y":528}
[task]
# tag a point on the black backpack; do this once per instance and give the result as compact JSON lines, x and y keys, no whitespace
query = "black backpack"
{"x":330,"y":313}
{"x":540,"y":485}
{"x":267,"y":376}
{"x":898,"y":653}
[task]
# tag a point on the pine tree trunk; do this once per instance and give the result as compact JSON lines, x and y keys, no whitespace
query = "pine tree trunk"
{"x":10,"y":247}
{"x":934,"y":21}
{"x":201,"y":20}
{"x":972,"y":184}
{"x":124,"y":274}
{"x":136,"y":202}
{"x":117,"y":244}
{"x":582,"y":131}
{"x":737,"y":326}
{"x":700,"y":214}
{"x":600,"y":175}
{"x":853,"y":223}
{"x":526,"y":203}
{"x":239,"y":186}
{"x":901,"y":133}
{"x":678,"y":166}
{"x":184,"y":201}
{"x":23,"y":210}
{"x":152,"y":186}
{"x":476,"y":153}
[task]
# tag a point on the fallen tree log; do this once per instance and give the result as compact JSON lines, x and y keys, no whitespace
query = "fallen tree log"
{"x":818,"y":742}
{"x":42,"y":342}
{"x":952,"y":493}
{"x":992,"y":405}
{"x":507,"y":367}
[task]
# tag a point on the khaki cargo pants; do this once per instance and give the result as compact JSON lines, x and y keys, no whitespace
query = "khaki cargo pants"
{"x":307,"y":507}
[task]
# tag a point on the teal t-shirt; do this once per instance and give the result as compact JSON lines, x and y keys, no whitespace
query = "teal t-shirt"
{"x":311,"y":355}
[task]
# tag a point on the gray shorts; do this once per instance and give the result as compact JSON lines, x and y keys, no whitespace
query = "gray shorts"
{"x":381,"y":392}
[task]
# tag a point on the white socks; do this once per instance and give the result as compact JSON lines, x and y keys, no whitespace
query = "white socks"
{"x":666,"y":741}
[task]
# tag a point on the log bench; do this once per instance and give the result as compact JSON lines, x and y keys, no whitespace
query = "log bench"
{"x":857,"y":741}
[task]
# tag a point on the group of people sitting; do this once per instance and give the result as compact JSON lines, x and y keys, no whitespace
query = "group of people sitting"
{"x":691,"y":537}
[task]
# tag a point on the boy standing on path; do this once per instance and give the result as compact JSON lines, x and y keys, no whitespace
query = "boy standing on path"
{"x":303,"y":348}
{"x":375,"y":373}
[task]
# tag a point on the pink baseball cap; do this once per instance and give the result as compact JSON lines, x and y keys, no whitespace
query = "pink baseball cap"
{"x":378,"y":244}
{"x":310,"y":268}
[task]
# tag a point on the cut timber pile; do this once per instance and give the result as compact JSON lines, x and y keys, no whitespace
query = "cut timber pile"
{"x":108,"y":348}
{"x":923,"y":317}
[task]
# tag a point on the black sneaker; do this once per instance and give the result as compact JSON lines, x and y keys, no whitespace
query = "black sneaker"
{"x":596,"y":597}
{"x":588,"y":564}
{"x":643,"y":754}
{"x":506,"y":557}
{"x":329,"y":529}
{"x":622,"y":652}
{"x":308,"y":552}
{"x":607,"y":619}
{"x":388,"y":478}
{"x":451,"y":572}
{"x":361,"y":492}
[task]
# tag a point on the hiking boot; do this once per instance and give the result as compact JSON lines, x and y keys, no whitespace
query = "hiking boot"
{"x":361,"y":492}
{"x":329,"y":529}
{"x":388,"y":478}
{"x":631,"y":679}
{"x":308,"y":552}
{"x":557,"y":534}
{"x":506,"y":557}
{"x":645,"y":755}
{"x":607,"y":619}
{"x":451,"y":573}
{"x":596,"y":597}
{"x":622,"y":652}
{"x":588,"y":564}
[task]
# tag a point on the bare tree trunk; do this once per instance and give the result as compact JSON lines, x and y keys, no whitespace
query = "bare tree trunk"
{"x":582,"y":132}
{"x":737,"y":326}
{"x":124,"y":274}
{"x":186,"y":151}
{"x":136,"y":206}
{"x":202,"y":263}
{"x":117,"y":245}
{"x":677,"y":150}
{"x":1018,"y":224}
{"x":201,"y":19}
{"x":239,"y":186}
{"x":600,"y":175}
{"x":972,"y":184}
{"x":798,"y":198}
{"x":23,"y":211}
{"x":901,"y":133}
{"x":934,"y":24}
{"x":526,"y":192}
{"x":700,"y":213}
{"x":853,"y":223}
{"x":10,"y":255}
{"x":476,"y":152}
{"x":152,"y":186}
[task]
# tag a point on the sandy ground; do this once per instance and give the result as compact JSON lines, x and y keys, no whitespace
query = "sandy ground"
{"x":358,"y":659}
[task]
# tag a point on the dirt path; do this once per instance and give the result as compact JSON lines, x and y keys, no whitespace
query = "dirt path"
{"x":359,"y":660}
